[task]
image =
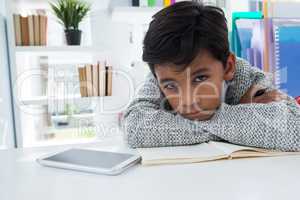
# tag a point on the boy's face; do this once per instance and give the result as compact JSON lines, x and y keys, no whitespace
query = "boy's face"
{"x":195,"y":93}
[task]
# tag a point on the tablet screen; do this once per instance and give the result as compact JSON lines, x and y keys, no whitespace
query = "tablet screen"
{"x":90,"y":158}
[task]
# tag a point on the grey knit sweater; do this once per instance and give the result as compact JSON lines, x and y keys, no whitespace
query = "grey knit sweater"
{"x":274,"y":125}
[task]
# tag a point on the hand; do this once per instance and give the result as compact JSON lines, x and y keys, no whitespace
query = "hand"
{"x":271,"y":96}
{"x":258,"y":94}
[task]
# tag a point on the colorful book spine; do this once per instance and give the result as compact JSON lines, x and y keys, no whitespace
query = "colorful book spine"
{"x":287,"y":48}
{"x":277,"y":57}
{"x":167,"y":3}
{"x":151,"y":3}
{"x":266,"y":36}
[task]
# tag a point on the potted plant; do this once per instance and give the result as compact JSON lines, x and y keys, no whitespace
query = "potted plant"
{"x":70,"y":13}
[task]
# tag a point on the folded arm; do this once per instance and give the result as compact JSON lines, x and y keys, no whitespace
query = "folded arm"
{"x":268,"y":120}
{"x":275,"y":125}
{"x":147,"y":124}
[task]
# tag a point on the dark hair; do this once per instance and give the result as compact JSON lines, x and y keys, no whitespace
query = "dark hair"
{"x":179,"y":32}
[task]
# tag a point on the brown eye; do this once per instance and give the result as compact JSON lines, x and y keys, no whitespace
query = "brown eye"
{"x":260,"y":92}
{"x":200,"y":78}
{"x":170,"y":86}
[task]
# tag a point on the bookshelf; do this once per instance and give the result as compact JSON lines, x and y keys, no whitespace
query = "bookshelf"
{"x":25,"y":108}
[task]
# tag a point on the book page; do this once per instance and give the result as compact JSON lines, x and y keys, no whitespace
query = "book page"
{"x":229,"y":148}
{"x":238,"y":151}
{"x":180,"y":154}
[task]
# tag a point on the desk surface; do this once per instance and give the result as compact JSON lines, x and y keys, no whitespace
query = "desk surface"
{"x":246,"y":179}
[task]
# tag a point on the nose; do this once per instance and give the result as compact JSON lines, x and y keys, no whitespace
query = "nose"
{"x":187,"y":100}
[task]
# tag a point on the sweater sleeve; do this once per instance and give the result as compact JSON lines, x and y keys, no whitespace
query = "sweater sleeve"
{"x":274,"y":126}
{"x":147,"y":124}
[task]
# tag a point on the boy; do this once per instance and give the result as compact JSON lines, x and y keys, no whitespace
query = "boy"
{"x":198,"y":91}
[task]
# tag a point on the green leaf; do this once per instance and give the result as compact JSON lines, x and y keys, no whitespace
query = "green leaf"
{"x":70,"y":12}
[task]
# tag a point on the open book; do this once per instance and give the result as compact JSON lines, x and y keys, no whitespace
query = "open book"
{"x":204,"y":152}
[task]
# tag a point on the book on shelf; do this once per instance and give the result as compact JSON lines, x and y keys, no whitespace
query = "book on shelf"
{"x":266,"y":42}
{"x":287,"y":47}
{"x":31,"y":30}
{"x":95,"y":80}
{"x":81,"y":81}
{"x":17,"y":27}
{"x":36,"y":20}
{"x":108,"y":70}
{"x":205,"y":152}
{"x":95,"y":83}
{"x":167,"y":2}
{"x":24,"y":31}
{"x":106,"y":80}
{"x":43,"y":30}
{"x":100,"y":84}
{"x":102,"y":80}
{"x":89,"y":80}
{"x":150,"y":3}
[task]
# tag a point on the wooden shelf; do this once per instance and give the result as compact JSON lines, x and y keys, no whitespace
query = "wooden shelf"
{"x":134,"y":15}
{"x":43,"y":100}
{"x":58,"y":49}
{"x":77,"y":116}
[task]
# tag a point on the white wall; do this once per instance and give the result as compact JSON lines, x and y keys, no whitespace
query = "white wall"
{"x":6,"y":123}
{"x":116,"y":37}
{"x":239,"y":6}
{"x":2,"y":7}
{"x":235,"y":6}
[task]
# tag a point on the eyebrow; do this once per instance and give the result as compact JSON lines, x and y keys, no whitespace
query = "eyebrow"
{"x":202,"y":70}
{"x":166,"y":80}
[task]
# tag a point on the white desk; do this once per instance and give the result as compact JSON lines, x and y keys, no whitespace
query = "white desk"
{"x":21,"y":178}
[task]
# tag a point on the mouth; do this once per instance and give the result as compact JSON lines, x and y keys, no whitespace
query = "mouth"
{"x":203,"y":115}
{"x":193,"y":115}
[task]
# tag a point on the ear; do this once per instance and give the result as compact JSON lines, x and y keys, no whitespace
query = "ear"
{"x":230,"y":67}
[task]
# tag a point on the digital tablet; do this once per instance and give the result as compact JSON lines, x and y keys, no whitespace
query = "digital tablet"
{"x":93,"y":161}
